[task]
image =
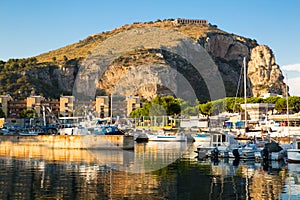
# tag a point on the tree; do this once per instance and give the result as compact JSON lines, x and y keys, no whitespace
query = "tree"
{"x":280,"y":105}
{"x":272,"y":100}
{"x":136,"y":113}
{"x":191,"y":111}
{"x":254,"y":100}
{"x":28,"y":114}
{"x":206,"y":109}
{"x":294,"y":103}
{"x":157,"y":110}
{"x":2,"y":114}
{"x":218,"y":106}
{"x":65,"y":58}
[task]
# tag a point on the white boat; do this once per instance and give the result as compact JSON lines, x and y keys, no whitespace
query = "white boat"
{"x":31,"y":131}
{"x":220,"y":145}
{"x":293,"y":154}
{"x":273,"y":151}
{"x":201,"y":137}
{"x":72,"y":126}
{"x":106,"y":130}
{"x":166,"y":137}
{"x":245,"y":152}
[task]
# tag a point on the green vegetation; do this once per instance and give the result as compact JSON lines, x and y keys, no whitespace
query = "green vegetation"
{"x":28,"y":114}
{"x":24,"y":77}
{"x":158,"y":106}
{"x":168,"y":105}
{"x":84,"y":47}
{"x":2,"y":114}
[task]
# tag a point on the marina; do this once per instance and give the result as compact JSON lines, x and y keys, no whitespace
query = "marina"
{"x":175,"y":108}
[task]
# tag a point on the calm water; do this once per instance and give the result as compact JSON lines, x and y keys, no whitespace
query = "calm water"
{"x":151,"y":171}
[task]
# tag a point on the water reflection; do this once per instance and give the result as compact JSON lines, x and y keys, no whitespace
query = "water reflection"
{"x":292,"y":182}
{"x":30,"y":173}
{"x":145,"y":158}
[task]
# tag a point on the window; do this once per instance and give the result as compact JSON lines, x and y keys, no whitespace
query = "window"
{"x":101,"y":111}
{"x":133,"y":106}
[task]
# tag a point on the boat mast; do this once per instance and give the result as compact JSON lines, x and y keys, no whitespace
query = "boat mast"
{"x":245,"y":90}
{"x":287,"y":108}
{"x":111,"y":107}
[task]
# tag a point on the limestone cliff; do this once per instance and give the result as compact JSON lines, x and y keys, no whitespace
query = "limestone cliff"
{"x":264,"y":73}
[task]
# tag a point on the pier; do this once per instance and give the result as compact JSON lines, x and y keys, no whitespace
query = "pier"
{"x":104,"y":142}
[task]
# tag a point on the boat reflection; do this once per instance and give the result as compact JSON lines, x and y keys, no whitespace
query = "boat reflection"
{"x":165,"y":172}
{"x":253,"y":180}
{"x":86,"y":174}
{"x":292,"y":182}
{"x":145,"y":157}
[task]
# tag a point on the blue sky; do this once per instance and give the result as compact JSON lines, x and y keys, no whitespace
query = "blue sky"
{"x":32,"y":27}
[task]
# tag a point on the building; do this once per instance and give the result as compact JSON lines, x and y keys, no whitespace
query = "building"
{"x":40,"y":104}
{"x":102,"y":106}
{"x":34,"y":103}
{"x":118,"y":106}
{"x":257,"y":111}
{"x":133,"y":102}
{"x":179,"y":21}
{"x":4,"y":101}
{"x":15,"y":107}
{"x":66,"y":105}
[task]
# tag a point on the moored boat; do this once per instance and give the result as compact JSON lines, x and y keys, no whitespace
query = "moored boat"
{"x":201,"y":137}
{"x":163,"y":137}
{"x":273,"y":151}
{"x":220,"y":145}
{"x":293,"y":154}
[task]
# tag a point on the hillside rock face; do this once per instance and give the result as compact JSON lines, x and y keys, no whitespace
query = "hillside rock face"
{"x":152,"y":66}
{"x":264,"y":73}
{"x":152,"y":72}
{"x":226,"y":47}
{"x":53,"y":80}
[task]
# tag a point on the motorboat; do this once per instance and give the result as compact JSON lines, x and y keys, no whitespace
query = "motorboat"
{"x":273,"y":151}
{"x":107,"y":130}
{"x":201,"y":137}
{"x":293,"y":154}
{"x":247,"y":151}
{"x":220,"y":145}
{"x":163,"y":136}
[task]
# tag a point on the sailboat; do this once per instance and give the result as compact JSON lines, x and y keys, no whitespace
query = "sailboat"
{"x":248,"y":150}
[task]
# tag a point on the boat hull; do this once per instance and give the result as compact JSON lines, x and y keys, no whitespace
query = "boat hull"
{"x":293,"y":155}
{"x":167,"y":138}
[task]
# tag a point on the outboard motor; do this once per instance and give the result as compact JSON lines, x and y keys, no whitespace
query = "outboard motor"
{"x":215,"y":154}
{"x":265,"y":154}
{"x":236,"y":153}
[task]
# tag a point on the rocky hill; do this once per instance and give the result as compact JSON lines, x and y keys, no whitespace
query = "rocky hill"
{"x":55,"y":72}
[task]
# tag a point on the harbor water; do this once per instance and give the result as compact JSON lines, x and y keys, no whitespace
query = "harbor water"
{"x":154,"y":170}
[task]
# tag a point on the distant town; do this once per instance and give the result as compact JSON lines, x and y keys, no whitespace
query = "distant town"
{"x":69,"y":105}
